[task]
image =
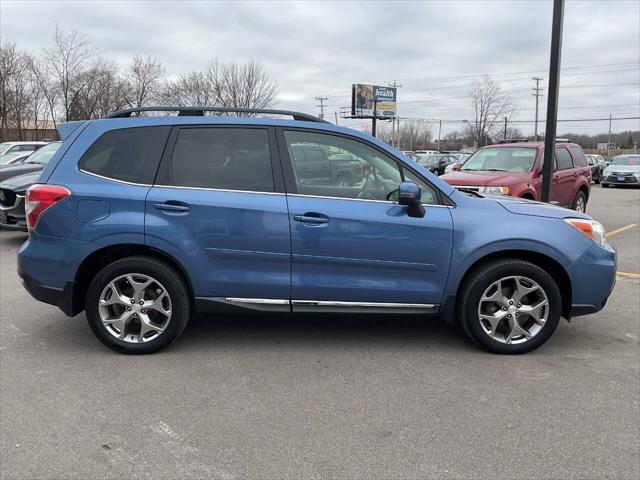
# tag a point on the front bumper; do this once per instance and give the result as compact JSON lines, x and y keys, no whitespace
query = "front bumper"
{"x":592,"y":277}
{"x":12,"y":217}
{"x":623,"y":179}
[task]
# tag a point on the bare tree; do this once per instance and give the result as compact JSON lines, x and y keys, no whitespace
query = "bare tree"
{"x":243,"y":85}
{"x":190,"y":90}
{"x":223,"y":85}
{"x":145,"y":80}
{"x":104,"y":92}
{"x":491,"y":105}
{"x":63,"y":69}
{"x":16,"y":91}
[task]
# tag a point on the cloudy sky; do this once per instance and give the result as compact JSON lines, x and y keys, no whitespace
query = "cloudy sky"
{"x":434,"y":49}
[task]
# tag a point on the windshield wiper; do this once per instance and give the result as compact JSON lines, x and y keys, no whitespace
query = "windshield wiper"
{"x":470,"y":191}
{"x":496,"y":170}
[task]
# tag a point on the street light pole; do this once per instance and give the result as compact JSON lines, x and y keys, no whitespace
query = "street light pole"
{"x":552,"y":100}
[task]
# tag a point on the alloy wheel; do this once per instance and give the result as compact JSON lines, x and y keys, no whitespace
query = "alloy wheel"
{"x":580,"y":204}
{"x":513,"y":310}
{"x":135,"y":308}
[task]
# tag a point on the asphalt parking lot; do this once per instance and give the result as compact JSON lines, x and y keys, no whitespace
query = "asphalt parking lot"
{"x":310,"y":397}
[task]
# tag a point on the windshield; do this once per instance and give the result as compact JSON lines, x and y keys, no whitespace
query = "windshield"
{"x":8,"y":158}
{"x":4,"y":146}
{"x":501,"y":159}
{"x":429,"y":158}
{"x":626,"y":160}
{"x":43,"y":155}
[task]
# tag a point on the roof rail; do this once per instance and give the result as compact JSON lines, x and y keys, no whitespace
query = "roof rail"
{"x":199,"y":112}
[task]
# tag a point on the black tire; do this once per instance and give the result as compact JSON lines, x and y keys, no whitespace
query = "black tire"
{"x":598,"y":179}
{"x":480,"y":279}
{"x":159,"y":270}
{"x":580,"y":196}
{"x":604,"y":185}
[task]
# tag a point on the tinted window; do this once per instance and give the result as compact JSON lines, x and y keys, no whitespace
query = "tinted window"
{"x":578,"y":154}
{"x":223,"y":158}
{"x":128,"y":154}
{"x":563,"y":159}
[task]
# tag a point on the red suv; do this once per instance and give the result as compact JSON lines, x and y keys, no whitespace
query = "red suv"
{"x":516,"y":169}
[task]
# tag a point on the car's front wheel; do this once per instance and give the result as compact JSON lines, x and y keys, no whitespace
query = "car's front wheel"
{"x":137,"y":305}
{"x":509,"y":306}
{"x":579,"y":202}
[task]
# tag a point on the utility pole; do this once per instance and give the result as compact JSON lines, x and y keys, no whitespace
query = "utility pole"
{"x":552,"y":99}
{"x":336,"y":114}
{"x":321,"y":100}
{"x":537,"y":92}
{"x":505,"y":129}
{"x":393,"y":119}
{"x":373,"y":120}
{"x":439,"y":133}
{"x":609,"y":140}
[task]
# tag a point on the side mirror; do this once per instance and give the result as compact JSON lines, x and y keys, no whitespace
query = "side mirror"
{"x":456,"y":166}
{"x":409,"y":194}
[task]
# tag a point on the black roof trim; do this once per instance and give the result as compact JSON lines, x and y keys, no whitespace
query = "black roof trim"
{"x":199,"y":112}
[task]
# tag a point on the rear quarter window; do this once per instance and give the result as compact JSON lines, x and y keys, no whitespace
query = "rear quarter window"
{"x":578,"y":154}
{"x":127,"y":154}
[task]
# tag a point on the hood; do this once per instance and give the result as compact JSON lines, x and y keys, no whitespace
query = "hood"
{"x":484,"y":178}
{"x":15,"y":170}
{"x":21,"y":182}
{"x":522,"y":206}
{"x":623,"y":168}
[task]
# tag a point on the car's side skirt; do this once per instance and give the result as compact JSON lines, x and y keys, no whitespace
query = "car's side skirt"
{"x":230,"y":304}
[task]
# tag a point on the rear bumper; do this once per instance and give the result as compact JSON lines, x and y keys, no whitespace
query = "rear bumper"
{"x":60,"y":297}
{"x":593,"y":277}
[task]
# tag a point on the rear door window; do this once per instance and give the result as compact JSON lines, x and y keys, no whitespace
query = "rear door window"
{"x":223,"y":158}
{"x":127,"y":154}
{"x":563,"y":159}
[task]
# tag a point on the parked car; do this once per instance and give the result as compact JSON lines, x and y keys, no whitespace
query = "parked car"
{"x":596,"y":168}
{"x":15,"y":147}
{"x":623,"y":170}
{"x":14,"y":158}
{"x":516,"y":169}
{"x":426,"y":152}
{"x":461,"y":158}
{"x":412,"y":156}
{"x":314,"y":165}
{"x":437,"y":164}
{"x":13,"y":190}
{"x":142,"y":221}
{"x":33,"y":163}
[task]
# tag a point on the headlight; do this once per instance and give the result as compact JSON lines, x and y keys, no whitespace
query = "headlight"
{"x":592,"y":229}
{"x":606,"y":171}
{"x":495,"y":190}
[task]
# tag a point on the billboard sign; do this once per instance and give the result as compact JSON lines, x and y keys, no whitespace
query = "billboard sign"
{"x":364,"y":98}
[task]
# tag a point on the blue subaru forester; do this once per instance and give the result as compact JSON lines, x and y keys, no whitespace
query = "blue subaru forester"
{"x":143,"y":220}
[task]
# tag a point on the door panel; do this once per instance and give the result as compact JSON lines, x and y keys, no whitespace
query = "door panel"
{"x":564,"y":178}
{"x":368,"y":251}
{"x":232,"y":244}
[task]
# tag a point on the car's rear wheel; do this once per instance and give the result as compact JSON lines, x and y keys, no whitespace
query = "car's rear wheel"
{"x":579,"y":202}
{"x":510,"y":306}
{"x":137,"y":305}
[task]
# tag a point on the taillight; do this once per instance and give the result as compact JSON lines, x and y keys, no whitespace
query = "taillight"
{"x":40,"y":198}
